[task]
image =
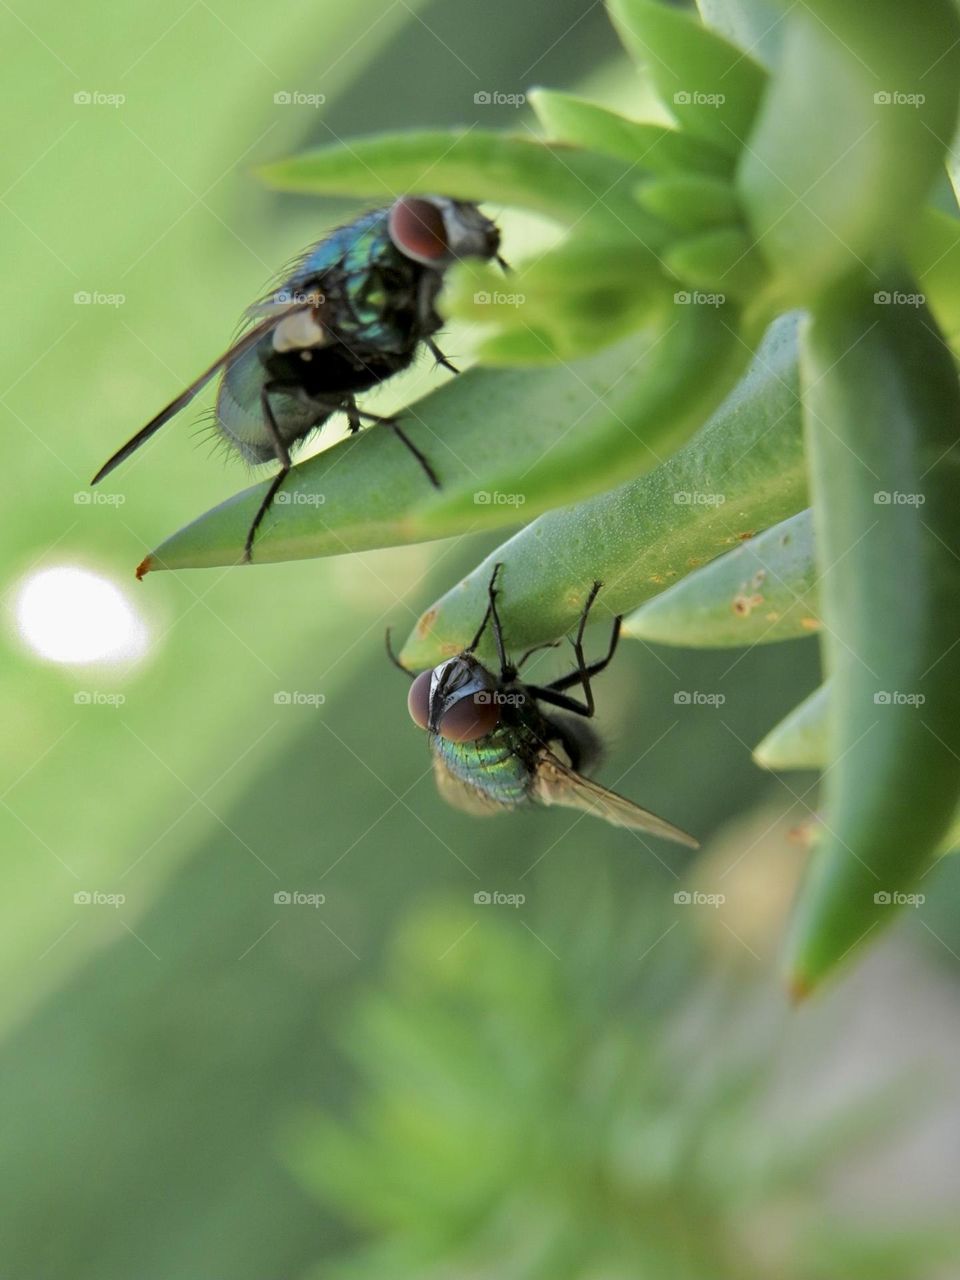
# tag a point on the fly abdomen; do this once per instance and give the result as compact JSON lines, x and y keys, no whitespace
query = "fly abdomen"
{"x":240,"y":410}
{"x":491,"y":765}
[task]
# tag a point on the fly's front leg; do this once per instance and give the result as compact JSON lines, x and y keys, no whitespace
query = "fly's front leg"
{"x":283,"y":457}
{"x":584,"y":673}
{"x":507,"y":670}
{"x":440,"y":358}
{"x":428,"y":320}
{"x":578,"y":649}
{"x":411,"y":675}
{"x":537,"y":648}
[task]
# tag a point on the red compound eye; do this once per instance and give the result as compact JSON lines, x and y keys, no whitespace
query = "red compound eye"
{"x":417,"y":229}
{"x":418,"y":699}
{"x":470,"y":718}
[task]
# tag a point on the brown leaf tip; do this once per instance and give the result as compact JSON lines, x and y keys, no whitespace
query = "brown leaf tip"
{"x":799,"y":989}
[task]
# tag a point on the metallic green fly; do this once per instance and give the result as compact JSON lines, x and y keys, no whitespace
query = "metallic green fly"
{"x":353,"y":312}
{"x":494,"y":746}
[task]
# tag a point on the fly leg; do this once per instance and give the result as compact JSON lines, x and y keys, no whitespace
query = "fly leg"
{"x":554,"y":692}
{"x":428,"y":320}
{"x":547,"y":644}
{"x":411,"y":675}
{"x":283,"y":457}
{"x":439,"y":356}
{"x":508,"y":671}
{"x":354,"y":415}
{"x":401,"y":435}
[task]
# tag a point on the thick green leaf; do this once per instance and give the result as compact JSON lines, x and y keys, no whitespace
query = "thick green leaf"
{"x":505,"y":443}
{"x":653,"y":147}
{"x":934,"y":251}
{"x":722,"y":262}
{"x":640,"y":537}
{"x":712,"y":89}
{"x":851,"y":135}
{"x":756,"y":26}
{"x":801,"y":739}
{"x":679,"y":376}
{"x":882,"y":404}
{"x":565,"y":183}
{"x":569,"y":302}
{"x":762,"y":591}
{"x":953,"y":166}
{"x":367,"y":491}
{"x":690,"y":201}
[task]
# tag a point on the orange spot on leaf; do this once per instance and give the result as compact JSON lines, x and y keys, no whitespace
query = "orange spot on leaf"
{"x":744,"y":605}
{"x":426,"y":622}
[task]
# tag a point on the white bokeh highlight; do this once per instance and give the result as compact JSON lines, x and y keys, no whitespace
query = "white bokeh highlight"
{"x":74,"y":616}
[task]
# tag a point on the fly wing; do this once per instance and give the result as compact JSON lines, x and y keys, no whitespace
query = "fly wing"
{"x":243,"y":344}
{"x":461,"y":796}
{"x":558,"y":784}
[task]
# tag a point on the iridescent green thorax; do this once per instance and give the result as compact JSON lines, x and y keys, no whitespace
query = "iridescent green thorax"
{"x":499,"y":765}
{"x":369,"y":285}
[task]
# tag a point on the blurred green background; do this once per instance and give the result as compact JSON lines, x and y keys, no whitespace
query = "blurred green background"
{"x":167,"y":1060}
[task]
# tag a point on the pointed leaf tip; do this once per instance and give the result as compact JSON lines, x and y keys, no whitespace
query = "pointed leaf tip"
{"x":799,"y":989}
